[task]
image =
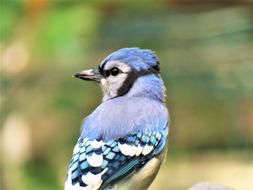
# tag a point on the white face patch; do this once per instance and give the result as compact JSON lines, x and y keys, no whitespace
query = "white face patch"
{"x":103,"y":82}
{"x":112,"y":84}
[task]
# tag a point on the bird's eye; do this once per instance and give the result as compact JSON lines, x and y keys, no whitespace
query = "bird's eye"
{"x":114,"y":71}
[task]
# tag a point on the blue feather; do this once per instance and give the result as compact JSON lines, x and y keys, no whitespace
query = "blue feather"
{"x":114,"y":123}
{"x":115,"y":163}
{"x":127,"y":129}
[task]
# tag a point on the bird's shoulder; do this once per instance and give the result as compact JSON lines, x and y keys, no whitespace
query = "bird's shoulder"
{"x":122,"y":116}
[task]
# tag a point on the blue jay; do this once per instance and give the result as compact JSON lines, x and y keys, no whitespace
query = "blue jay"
{"x":123,"y":141}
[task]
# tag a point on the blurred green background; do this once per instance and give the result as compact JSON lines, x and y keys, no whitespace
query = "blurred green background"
{"x":206,"y":56}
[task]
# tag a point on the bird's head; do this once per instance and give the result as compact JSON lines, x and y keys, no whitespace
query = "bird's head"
{"x":127,"y":72}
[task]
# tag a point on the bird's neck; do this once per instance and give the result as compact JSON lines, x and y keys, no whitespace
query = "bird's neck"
{"x":149,"y":86}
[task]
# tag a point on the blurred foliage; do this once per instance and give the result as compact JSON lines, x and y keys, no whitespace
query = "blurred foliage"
{"x":207,"y":64}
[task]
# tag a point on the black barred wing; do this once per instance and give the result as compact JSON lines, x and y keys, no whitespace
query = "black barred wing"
{"x":97,"y":164}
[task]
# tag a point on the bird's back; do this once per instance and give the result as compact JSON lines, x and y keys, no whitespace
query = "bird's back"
{"x":121,"y":138}
{"x":122,"y":116}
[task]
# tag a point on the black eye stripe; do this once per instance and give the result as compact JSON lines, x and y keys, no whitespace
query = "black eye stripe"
{"x":132,"y":77}
{"x":107,"y":73}
{"x":113,"y":71}
{"x":100,"y":69}
{"x":128,"y":83}
{"x":155,"y":70}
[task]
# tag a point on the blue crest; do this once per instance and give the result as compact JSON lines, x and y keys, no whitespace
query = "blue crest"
{"x":139,"y":59}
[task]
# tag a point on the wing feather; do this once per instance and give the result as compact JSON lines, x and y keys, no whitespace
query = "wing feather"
{"x":98,"y":165}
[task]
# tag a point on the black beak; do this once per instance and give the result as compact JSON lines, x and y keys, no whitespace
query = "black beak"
{"x":90,"y":74}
